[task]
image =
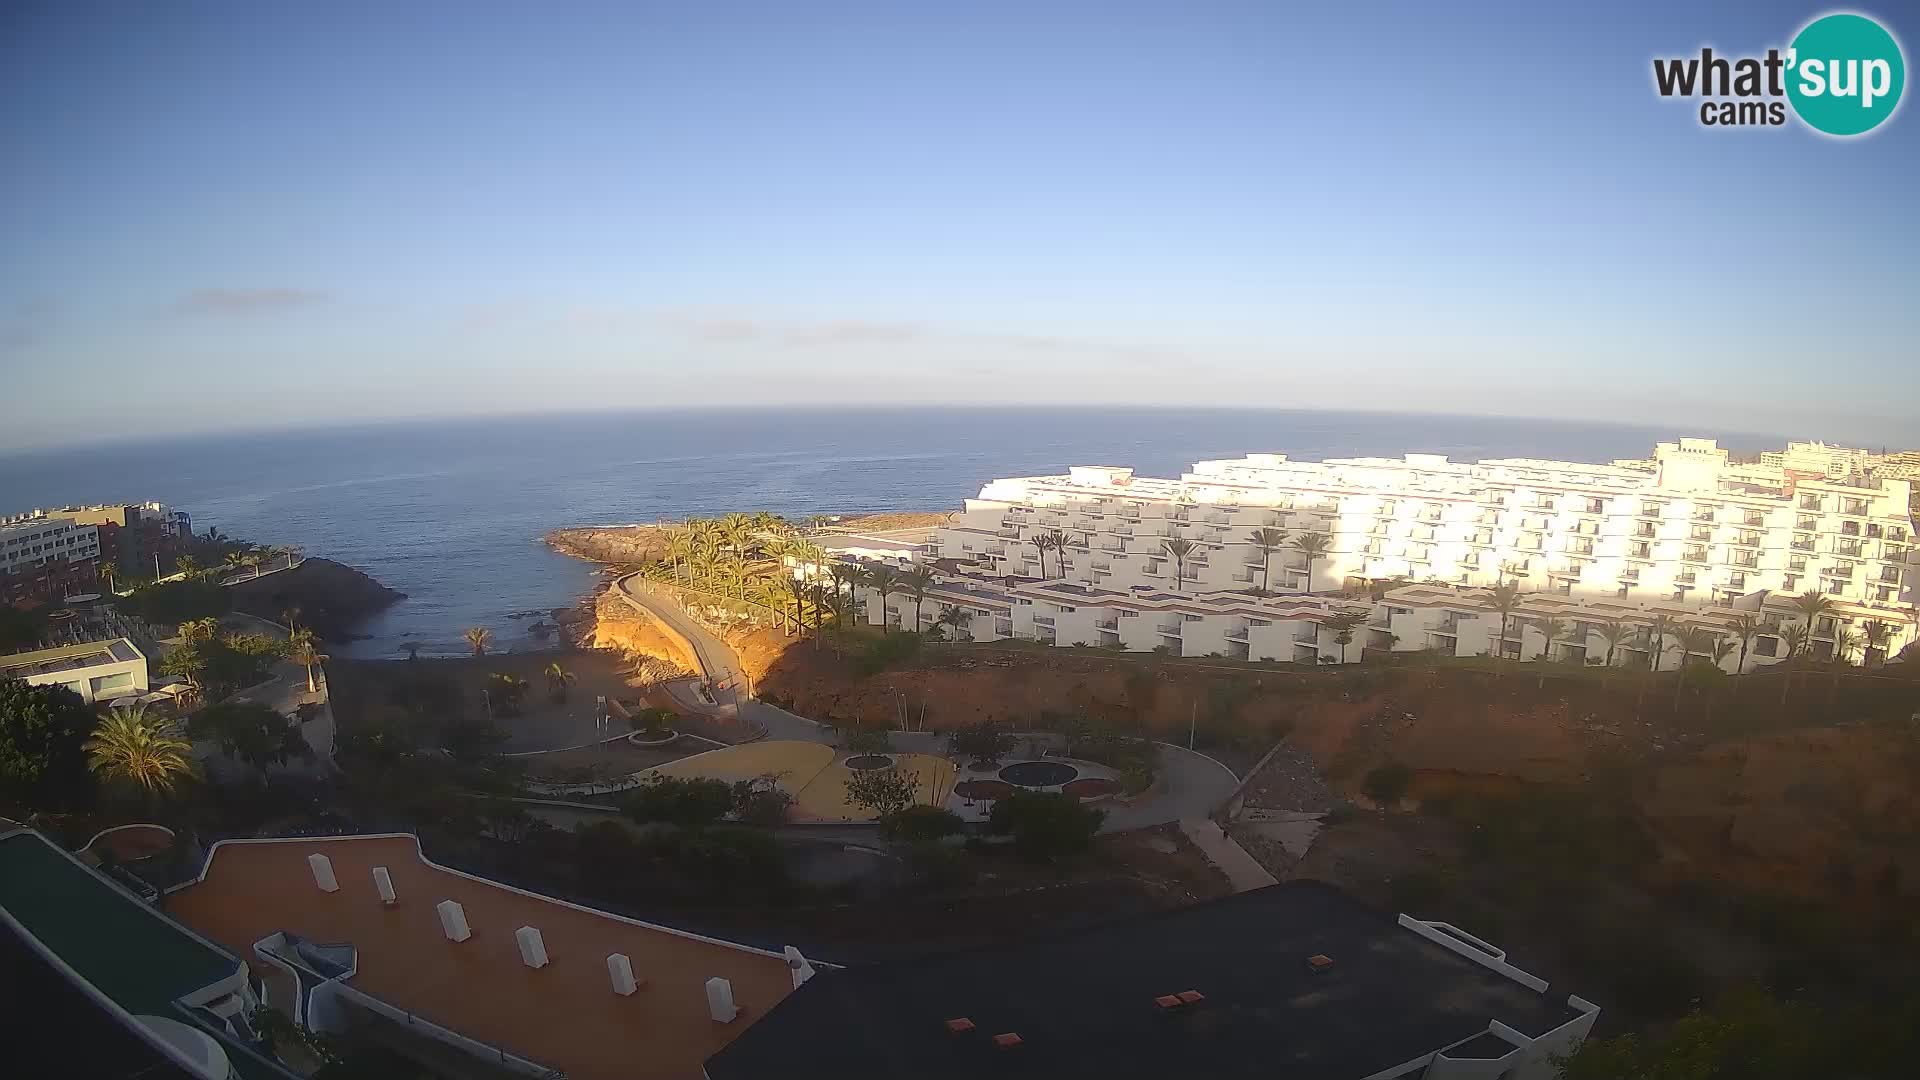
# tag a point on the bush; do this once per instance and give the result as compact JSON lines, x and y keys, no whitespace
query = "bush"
{"x":1045,"y":825}
{"x":921,"y":824}
{"x":937,"y":866}
{"x":886,"y":651}
{"x":866,"y":740}
{"x":982,"y":742}
{"x":652,"y":723}
{"x":1387,"y":784}
{"x":176,"y":602}
{"x":679,"y":801}
{"x":884,"y":791}
{"x":760,"y":802}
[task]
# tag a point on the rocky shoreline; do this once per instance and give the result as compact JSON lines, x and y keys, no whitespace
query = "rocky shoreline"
{"x":333,"y":598}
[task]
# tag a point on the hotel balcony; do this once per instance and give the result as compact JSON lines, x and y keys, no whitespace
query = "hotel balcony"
{"x":1309,"y":636}
{"x":1171,"y":629}
{"x":1802,"y":545}
{"x":1237,"y":633}
{"x":1109,"y":623}
{"x":1043,"y":620}
{"x":1844,"y":573}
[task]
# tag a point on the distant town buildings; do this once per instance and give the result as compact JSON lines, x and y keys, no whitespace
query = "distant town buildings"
{"x":45,"y":558}
{"x":137,"y":539}
{"x":1100,"y":556}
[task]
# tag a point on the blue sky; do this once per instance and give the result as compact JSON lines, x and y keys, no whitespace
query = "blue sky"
{"x":246,"y":215}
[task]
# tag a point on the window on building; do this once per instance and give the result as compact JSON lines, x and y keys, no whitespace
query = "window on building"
{"x":1809,"y":502}
{"x":1790,"y":583}
{"x":1825,"y":625}
{"x":1766,"y":646}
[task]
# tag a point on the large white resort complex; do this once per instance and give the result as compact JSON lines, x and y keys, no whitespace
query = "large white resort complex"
{"x":1412,"y":549}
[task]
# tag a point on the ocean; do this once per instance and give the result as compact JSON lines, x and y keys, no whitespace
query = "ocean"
{"x":451,"y":512}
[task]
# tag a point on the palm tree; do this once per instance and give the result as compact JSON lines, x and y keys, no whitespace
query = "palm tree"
{"x":1694,"y":641}
{"x":1795,"y":638}
{"x":1876,"y":634}
{"x":304,"y":652}
{"x":252,"y":560}
{"x":1268,"y":541}
{"x":677,"y":549}
{"x":1315,"y":547}
{"x":1041,"y":542}
{"x":797,"y":589}
{"x":1058,"y":541}
{"x":107,"y":573}
{"x":769,"y":593}
{"x":1178,"y":549}
{"x":1813,"y":603}
{"x":1503,"y":598}
{"x":1845,"y":644}
{"x":915,"y":582}
{"x":842,"y":575}
{"x":235,"y":560}
{"x":558,"y":679}
{"x":199,"y":629}
{"x":1746,"y":627}
{"x":1554,"y":629}
{"x":808,"y":554}
{"x":1343,"y":626}
{"x":883,"y":580}
{"x":292,"y":617}
{"x":736,"y":531}
{"x":1615,"y":632}
{"x":1659,"y":629}
{"x":186,"y":565}
{"x":143,"y":749}
{"x":479,"y":637}
{"x":955,"y":616}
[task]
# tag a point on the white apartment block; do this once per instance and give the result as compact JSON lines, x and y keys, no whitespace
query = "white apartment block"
{"x":99,"y":671}
{"x":31,"y":542}
{"x":1693,"y":537}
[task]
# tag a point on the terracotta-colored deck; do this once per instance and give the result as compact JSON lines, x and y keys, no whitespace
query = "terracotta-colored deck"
{"x":564,"y":1015}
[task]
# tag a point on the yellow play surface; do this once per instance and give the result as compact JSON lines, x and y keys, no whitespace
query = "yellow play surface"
{"x":811,"y":773}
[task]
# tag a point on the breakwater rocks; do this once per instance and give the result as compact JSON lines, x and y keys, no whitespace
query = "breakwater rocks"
{"x":333,"y":598}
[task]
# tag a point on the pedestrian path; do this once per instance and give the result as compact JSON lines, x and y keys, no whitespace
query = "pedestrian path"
{"x":1242,"y":870}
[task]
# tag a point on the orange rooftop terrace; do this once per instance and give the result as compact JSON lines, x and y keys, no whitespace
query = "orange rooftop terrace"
{"x":564,"y":1015}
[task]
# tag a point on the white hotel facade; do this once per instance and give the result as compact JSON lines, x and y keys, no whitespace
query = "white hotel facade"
{"x":1688,"y":534}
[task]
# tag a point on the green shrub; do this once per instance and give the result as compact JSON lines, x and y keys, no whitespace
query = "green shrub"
{"x":937,"y":866}
{"x":921,"y":824}
{"x":679,"y":801}
{"x":175,"y":602}
{"x":652,"y":723}
{"x":760,"y":802}
{"x":886,"y":651}
{"x":1045,"y":825}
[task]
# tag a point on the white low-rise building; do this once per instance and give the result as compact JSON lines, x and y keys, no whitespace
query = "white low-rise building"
{"x":96,"y":670}
{"x":1212,"y":563}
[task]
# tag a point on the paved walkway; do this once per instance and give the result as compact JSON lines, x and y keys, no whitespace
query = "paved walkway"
{"x":1191,"y":784}
{"x":1243,"y":871}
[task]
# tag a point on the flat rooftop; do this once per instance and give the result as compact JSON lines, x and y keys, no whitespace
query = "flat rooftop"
{"x":68,"y":658}
{"x":1084,"y":1004}
{"x":564,"y":1015}
{"x":130,"y":952}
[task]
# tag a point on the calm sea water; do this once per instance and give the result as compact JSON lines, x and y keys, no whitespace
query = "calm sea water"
{"x":451,"y":512}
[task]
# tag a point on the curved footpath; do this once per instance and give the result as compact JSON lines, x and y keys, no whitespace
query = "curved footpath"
{"x":1192,"y":784}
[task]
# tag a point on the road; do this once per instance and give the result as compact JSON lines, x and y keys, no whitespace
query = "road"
{"x":1191,"y":786}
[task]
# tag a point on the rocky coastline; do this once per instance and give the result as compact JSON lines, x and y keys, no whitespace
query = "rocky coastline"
{"x":333,"y":598}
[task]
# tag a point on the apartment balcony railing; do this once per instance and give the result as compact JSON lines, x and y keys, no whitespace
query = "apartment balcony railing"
{"x":1802,"y":545}
{"x":1844,"y":573}
{"x":1043,"y":620}
{"x":1238,"y":633}
{"x":1306,"y":637}
{"x":1704,"y":515}
{"x":1449,"y":625}
{"x":1106,"y":624}
{"x":1631,"y":573}
{"x":1754,"y":519}
{"x":1171,"y":629}
{"x":1687,"y":578}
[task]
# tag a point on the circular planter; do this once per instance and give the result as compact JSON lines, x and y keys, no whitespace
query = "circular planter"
{"x":636,"y":740}
{"x":1091,"y":787}
{"x":983,"y":790}
{"x":869,"y":762}
{"x":1038,"y":774}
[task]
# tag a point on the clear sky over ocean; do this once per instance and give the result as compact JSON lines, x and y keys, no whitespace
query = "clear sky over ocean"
{"x":223,"y":216}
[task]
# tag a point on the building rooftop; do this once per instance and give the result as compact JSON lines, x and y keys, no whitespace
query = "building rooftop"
{"x":95,"y":928}
{"x":68,"y":658}
{"x":564,"y":1015}
{"x":1085,"y":1004}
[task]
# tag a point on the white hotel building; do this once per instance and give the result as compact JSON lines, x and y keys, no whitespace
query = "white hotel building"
{"x":1689,"y":535}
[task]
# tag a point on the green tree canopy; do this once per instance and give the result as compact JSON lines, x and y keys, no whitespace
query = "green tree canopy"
{"x":251,"y":732}
{"x":679,"y":801}
{"x":177,"y":601}
{"x":42,"y":732}
{"x":1046,"y":824}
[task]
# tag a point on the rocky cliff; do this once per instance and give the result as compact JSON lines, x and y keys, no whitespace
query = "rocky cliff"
{"x":333,"y":598}
{"x":619,"y":545}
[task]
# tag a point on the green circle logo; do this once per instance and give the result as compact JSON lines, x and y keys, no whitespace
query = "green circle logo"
{"x":1845,"y":74}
